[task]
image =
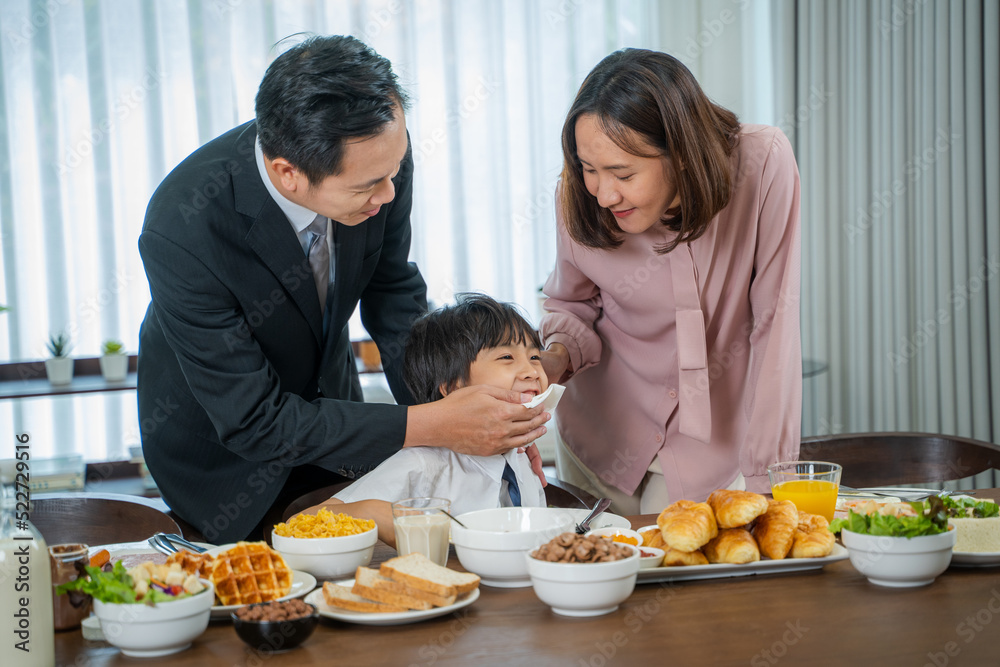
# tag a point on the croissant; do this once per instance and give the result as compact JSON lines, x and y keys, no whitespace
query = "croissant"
{"x":675,"y":558}
{"x":775,"y":528}
{"x":687,"y":526}
{"x":732,"y":545}
{"x":653,"y":538}
{"x":736,"y":508}
{"x":812,"y":537}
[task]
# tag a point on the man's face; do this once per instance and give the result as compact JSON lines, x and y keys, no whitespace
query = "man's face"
{"x":516,"y":366}
{"x":364,"y":183}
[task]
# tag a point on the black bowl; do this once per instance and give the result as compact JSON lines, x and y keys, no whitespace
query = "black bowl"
{"x":275,"y":636}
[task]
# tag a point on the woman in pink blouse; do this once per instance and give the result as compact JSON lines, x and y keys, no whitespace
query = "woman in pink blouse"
{"x":673,"y":309}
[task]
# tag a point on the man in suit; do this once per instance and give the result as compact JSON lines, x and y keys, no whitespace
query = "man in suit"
{"x":257,"y":248}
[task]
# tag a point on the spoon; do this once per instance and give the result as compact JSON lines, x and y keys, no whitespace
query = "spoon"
{"x":599,"y":506}
{"x":454,"y":519}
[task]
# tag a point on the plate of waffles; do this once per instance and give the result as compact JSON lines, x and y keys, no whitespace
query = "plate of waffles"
{"x":248,"y":572}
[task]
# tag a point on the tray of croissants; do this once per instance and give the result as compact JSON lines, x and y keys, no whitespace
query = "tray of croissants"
{"x":737,"y":533}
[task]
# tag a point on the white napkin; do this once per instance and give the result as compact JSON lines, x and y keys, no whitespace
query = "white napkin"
{"x":549,"y":398}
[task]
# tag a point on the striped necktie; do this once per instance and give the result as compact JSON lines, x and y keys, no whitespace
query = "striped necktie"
{"x":319,"y":258}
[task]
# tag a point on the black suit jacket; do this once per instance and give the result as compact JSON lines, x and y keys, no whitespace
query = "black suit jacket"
{"x":235,"y":377}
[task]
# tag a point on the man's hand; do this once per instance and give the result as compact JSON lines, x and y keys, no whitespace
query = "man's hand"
{"x":480,"y":420}
{"x":555,"y":362}
{"x":536,"y":462}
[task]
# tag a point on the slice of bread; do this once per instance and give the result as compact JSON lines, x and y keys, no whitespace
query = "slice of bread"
{"x":380,"y":582}
{"x":342,"y":596}
{"x":418,"y":571}
{"x":365,"y":585}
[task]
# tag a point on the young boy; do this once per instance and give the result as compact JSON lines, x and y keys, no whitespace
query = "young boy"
{"x":477,"y":341}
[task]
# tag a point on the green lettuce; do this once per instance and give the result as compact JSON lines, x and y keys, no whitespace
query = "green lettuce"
{"x":931,"y":519}
{"x":963,"y":508}
{"x":114,"y":586}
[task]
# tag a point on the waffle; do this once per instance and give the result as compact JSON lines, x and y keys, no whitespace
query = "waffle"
{"x":192,"y":563}
{"x":250,"y":572}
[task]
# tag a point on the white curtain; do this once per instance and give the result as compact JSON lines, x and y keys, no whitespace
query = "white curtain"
{"x":897,"y":137}
{"x":99,"y":99}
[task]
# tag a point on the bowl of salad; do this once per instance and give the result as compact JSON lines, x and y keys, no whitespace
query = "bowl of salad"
{"x":147,"y":611}
{"x":902,"y":549}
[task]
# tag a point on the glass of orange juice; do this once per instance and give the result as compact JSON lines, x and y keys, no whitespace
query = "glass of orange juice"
{"x":811,"y":485}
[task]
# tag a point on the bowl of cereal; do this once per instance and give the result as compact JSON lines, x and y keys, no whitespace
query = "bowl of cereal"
{"x":272,"y":627}
{"x":326,"y":545}
{"x":583,"y":575}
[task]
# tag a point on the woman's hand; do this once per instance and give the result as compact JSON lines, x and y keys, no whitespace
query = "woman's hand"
{"x":479,"y":420}
{"x":555,"y":361}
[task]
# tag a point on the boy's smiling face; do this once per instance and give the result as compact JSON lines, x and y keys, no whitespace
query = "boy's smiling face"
{"x":515,"y":366}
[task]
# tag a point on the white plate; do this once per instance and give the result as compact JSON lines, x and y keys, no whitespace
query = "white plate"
{"x":725,"y":570}
{"x":392,"y":618}
{"x":603,"y":520}
{"x":302,"y":582}
{"x":975,"y":559}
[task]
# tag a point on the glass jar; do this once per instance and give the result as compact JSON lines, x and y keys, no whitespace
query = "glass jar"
{"x":69,"y":609}
{"x":26,"y":593}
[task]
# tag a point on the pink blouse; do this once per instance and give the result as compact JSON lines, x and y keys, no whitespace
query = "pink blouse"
{"x":693,"y":355}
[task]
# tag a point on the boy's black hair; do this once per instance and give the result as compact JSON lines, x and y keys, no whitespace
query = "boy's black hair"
{"x":444,"y":343}
{"x":320,"y":93}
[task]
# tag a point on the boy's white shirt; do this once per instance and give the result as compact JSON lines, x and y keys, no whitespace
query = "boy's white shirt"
{"x":469,"y":482}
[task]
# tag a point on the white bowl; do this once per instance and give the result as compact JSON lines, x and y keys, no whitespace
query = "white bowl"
{"x":584,"y":589}
{"x":493,"y":541}
{"x":899,"y":562}
{"x":611,"y":532}
{"x":327,"y":557}
{"x":145,"y":631}
{"x":654,"y":559}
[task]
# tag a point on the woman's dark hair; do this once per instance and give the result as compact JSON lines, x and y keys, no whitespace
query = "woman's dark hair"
{"x":650,"y":96}
{"x":319,"y":93}
{"x":444,"y":343}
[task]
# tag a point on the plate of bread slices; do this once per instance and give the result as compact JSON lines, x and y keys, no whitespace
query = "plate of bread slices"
{"x":737,"y":533}
{"x":405,"y":589}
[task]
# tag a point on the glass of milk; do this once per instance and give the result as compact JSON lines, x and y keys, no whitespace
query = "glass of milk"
{"x":421,"y":526}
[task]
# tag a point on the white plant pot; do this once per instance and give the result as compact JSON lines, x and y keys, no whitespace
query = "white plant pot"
{"x":59,"y":370}
{"x":114,"y":367}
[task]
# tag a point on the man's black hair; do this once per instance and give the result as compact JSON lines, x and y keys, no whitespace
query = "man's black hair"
{"x":444,"y":343}
{"x":320,"y":93}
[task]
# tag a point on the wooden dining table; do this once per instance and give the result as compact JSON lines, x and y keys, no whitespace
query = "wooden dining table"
{"x":828,"y":616}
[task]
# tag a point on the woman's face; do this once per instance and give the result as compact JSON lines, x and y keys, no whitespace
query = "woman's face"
{"x":637,"y":190}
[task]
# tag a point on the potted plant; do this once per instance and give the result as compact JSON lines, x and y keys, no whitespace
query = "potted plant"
{"x":59,"y":367}
{"x":114,"y":361}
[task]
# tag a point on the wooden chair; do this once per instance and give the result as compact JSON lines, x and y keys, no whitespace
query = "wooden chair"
{"x":885,"y":459}
{"x":93,"y":518}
